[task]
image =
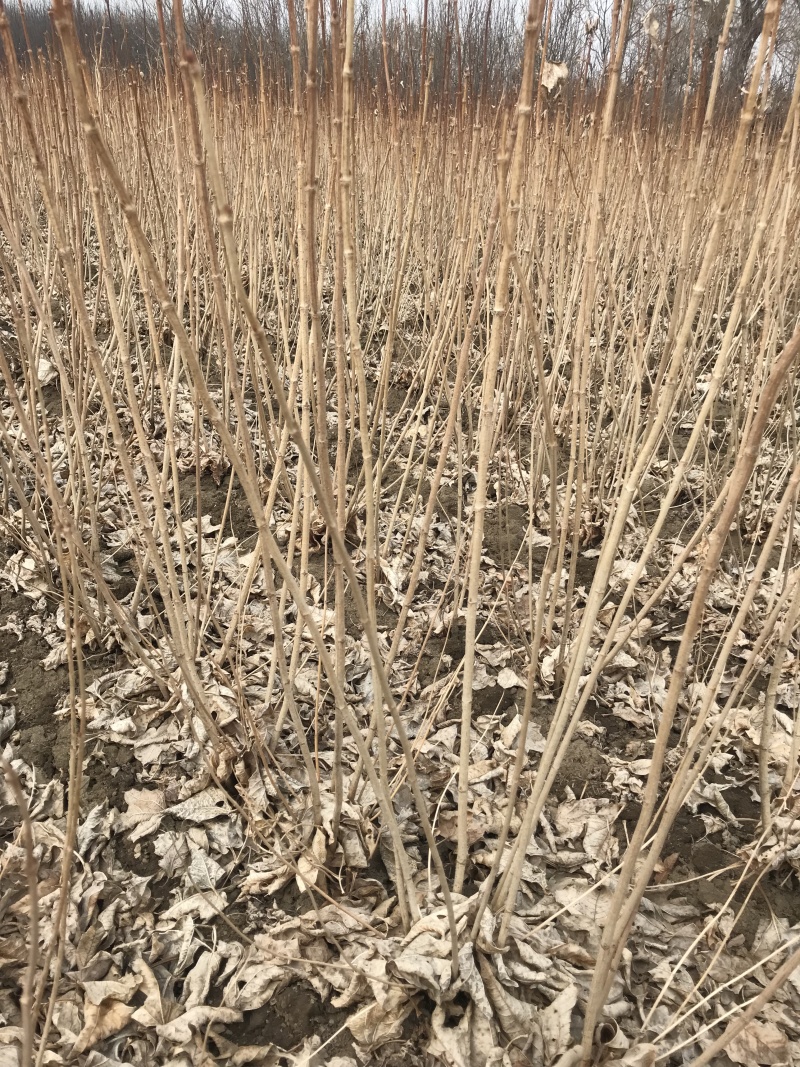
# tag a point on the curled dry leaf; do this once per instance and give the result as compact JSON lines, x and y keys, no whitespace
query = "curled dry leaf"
{"x":376,"y":1024}
{"x":651,"y":25}
{"x":310,"y":864}
{"x":256,"y":979}
{"x":180,"y":1030}
{"x":516,"y":1017}
{"x":121,"y":989}
{"x":202,"y":905}
{"x":553,"y":74}
{"x":640,"y":1056}
{"x":468,"y":1041}
{"x":508,"y":679}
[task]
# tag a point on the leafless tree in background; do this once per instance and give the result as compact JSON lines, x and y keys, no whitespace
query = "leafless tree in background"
{"x":470,"y":44}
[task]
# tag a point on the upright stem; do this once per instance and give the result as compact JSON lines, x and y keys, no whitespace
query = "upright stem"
{"x":487,"y":420}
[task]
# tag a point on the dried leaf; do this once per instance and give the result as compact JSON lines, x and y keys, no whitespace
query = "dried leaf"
{"x":640,"y":1056}
{"x":516,"y":1017}
{"x":121,"y":989}
{"x":208,"y":804}
{"x":761,"y":1043}
{"x":553,"y":74}
{"x":481,"y":679}
{"x":154,"y":1011}
{"x":310,"y":864}
{"x":101,"y":1021}
{"x":8,"y":720}
{"x":471,"y":1042}
{"x":144,"y":812}
{"x":204,"y":872}
{"x":56,"y":657}
{"x":197,"y":1018}
{"x":255,"y":982}
{"x":97,"y":824}
{"x":376,"y":1023}
{"x":203,"y":905}
{"x":508,"y":679}
{"x":554,"y":1024}
{"x":651,"y":25}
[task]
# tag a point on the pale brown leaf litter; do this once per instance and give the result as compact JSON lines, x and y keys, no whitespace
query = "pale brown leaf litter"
{"x":207,"y":924}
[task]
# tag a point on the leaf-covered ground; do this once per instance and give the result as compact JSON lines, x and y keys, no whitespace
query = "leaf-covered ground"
{"x":209,"y":921}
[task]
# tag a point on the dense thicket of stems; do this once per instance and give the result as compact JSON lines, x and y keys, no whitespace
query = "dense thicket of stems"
{"x":349,"y":311}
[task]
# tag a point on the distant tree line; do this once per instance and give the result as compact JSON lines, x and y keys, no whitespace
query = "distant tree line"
{"x":470,"y":47}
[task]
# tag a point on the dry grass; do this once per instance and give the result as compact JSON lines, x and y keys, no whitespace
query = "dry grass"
{"x":515,"y":378}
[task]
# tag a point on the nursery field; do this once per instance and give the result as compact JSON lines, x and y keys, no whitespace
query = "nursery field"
{"x":399,"y":583}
